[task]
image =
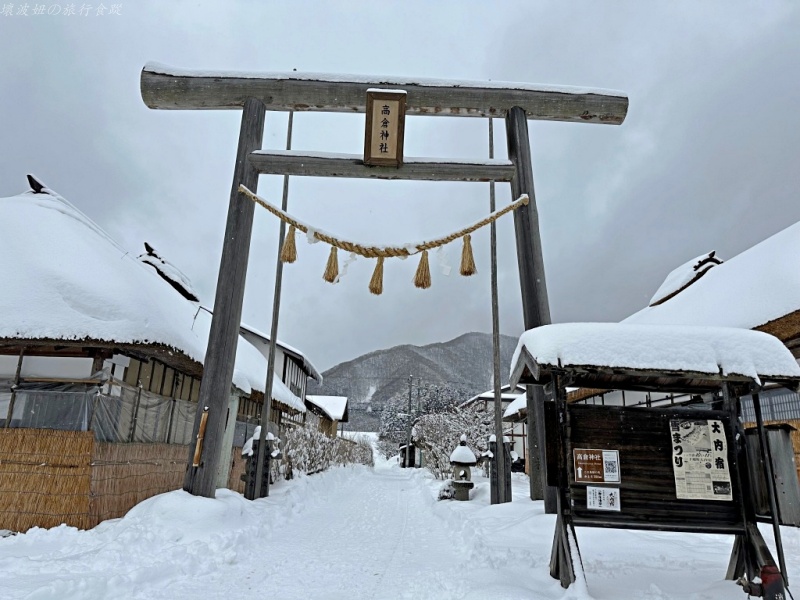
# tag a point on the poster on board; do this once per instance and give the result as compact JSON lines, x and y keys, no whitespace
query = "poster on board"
{"x":700,"y":460}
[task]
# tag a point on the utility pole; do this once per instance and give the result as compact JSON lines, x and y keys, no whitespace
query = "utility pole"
{"x":408,"y":438}
{"x":266,"y":410}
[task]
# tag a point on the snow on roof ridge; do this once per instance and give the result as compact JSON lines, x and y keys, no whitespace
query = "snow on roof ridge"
{"x":762,"y":279}
{"x":683,"y":276}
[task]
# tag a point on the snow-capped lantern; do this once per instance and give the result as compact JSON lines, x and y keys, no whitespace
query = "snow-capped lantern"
{"x":462,"y":459}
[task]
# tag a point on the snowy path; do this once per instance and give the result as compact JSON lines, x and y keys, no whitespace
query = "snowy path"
{"x":369,"y":537}
{"x":360,"y":534}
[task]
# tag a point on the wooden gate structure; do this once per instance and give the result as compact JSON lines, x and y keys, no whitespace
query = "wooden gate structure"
{"x":667,"y":468}
{"x":169,"y":88}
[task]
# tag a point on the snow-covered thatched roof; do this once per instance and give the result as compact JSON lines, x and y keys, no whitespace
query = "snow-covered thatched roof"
{"x":67,"y":280}
{"x":610,"y":355}
{"x":751,"y":290}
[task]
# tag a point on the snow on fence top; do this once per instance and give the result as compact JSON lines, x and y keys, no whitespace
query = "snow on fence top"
{"x":66,"y":279}
{"x":678,"y":353}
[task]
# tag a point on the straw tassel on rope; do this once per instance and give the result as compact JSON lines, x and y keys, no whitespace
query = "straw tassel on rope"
{"x":289,"y":251}
{"x":423,"y":277}
{"x":467,"y":259}
{"x":376,"y":283}
{"x":332,"y":268}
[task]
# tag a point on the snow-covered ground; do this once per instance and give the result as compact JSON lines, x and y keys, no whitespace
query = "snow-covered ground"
{"x":353,"y":533}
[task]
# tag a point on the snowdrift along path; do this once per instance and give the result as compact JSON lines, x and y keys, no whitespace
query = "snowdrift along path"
{"x":357,"y":533}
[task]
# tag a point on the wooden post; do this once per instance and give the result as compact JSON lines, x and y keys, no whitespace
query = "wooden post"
{"x":766,"y":459}
{"x":215,"y":386}
{"x":16,"y":384}
{"x":500,"y":465}
{"x":535,"y":306}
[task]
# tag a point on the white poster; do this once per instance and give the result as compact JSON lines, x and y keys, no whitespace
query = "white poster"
{"x":602,"y":498}
{"x":700,"y":460}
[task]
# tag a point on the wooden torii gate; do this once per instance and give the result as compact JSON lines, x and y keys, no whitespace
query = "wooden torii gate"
{"x":168,"y":88}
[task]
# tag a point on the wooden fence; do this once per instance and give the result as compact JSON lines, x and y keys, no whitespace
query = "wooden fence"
{"x":50,"y":477}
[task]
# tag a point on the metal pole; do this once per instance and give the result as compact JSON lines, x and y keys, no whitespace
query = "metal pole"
{"x":773,"y":505}
{"x":273,"y":336}
{"x":500,"y":454}
{"x":408,"y":437}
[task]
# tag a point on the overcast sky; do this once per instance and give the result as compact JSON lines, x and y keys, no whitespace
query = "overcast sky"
{"x":707,"y":158}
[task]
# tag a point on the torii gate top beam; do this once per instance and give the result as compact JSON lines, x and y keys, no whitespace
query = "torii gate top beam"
{"x":166,"y":87}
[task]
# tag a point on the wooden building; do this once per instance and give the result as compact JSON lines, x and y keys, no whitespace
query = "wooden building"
{"x":328,"y":412}
{"x":96,"y":341}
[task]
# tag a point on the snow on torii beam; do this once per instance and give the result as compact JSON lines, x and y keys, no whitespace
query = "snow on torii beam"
{"x":165,"y":87}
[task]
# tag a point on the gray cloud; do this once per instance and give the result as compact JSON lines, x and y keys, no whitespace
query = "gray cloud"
{"x":705,"y":159}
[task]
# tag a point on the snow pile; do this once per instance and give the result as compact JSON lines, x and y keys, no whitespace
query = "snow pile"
{"x":711,"y":350}
{"x":684,"y":275}
{"x":753,"y":288}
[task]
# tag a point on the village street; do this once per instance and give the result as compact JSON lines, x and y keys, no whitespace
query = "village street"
{"x":349,"y":533}
{"x":356,"y":533}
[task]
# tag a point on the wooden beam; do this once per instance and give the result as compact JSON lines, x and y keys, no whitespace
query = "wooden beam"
{"x":166,"y":87}
{"x":315,"y":164}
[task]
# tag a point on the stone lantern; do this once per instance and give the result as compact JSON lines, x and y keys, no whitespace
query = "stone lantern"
{"x":462,"y":460}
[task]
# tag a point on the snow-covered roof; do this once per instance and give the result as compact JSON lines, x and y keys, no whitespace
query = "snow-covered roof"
{"x":169,"y":272}
{"x":335,"y":407}
{"x":259,"y":339}
{"x":600,"y":353}
{"x":507,"y":394}
{"x":683,"y":276}
{"x":68,"y":280}
{"x":749,"y":290}
{"x":519,"y":405}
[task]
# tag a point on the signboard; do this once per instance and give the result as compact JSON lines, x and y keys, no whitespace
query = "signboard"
{"x":700,"y":460}
{"x":383,"y":141}
{"x":596,"y":466}
{"x":602,"y":498}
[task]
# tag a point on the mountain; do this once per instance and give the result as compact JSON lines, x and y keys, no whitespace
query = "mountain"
{"x":371,"y":380}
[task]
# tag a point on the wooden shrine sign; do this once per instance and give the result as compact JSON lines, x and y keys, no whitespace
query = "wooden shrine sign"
{"x":386,"y":116}
{"x":628,"y":470}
